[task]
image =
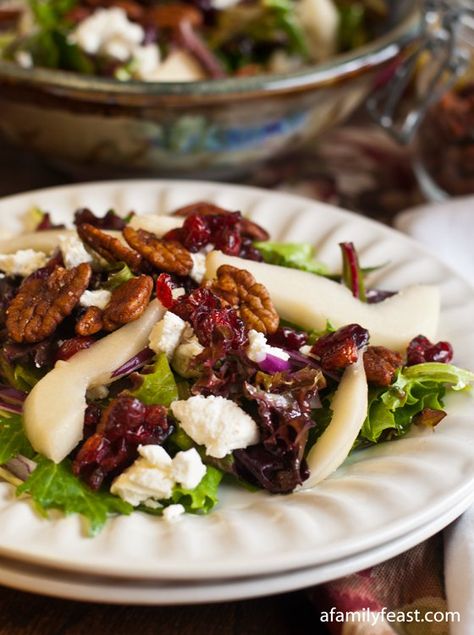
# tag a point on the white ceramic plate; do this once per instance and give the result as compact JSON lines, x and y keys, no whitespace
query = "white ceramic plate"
{"x":379,"y":494}
{"x":74,"y":586}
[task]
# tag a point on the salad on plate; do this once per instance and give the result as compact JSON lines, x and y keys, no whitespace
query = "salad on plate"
{"x":147,"y":359}
{"x":184,"y":40}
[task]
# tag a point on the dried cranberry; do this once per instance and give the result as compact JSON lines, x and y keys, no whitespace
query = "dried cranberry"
{"x":421,"y":350}
{"x":195,"y":233}
{"x":288,"y":338}
{"x":110,"y":221}
{"x":211,"y":321}
{"x":92,"y":416}
{"x":164,"y":290}
{"x":248,"y":251}
{"x":46,"y":223}
{"x":124,"y":425}
{"x":72,"y":346}
{"x":340,"y":349}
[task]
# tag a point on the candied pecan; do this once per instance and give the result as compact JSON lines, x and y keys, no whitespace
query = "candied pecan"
{"x":250,"y":298}
{"x":340,"y":349}
{"x":43,"y":302}
{"x":127,"y":303}
{"x":167,"y":255}
{"x":381,"y":364}
{"x":248,"y":227}
{"x":171,"y":16}
{"x":90,"y":322}
{"x":109,"y":247}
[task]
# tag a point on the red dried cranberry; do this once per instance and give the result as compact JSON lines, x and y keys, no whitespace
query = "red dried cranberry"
{"x":421,"y":350}
{"x":248,"y":251}
{"x":288,"y":338}
{"x":195,"y":233}
{"x":72,"y":346}
{"x":92,"y":416}
{"x":164,"y":290}
{"x":340,"y":349}
{"x":124,"y":425}
{"x":110,"y":221}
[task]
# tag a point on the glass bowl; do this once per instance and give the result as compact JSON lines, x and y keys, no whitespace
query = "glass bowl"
{"x":216,"y":129}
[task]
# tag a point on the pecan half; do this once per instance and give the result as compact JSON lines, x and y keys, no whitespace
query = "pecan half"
{"x":90,"y":322}
{"x":250,"y":298}
{"x":166,"y":255}
{"x":42,"y":303}
{"x":128,"y":302}
{"x":340,"y":349}
{"x":381,"y":364}
{"x":249,"y":228}
{"x":171,"y":16}
{"x":109,"y":247}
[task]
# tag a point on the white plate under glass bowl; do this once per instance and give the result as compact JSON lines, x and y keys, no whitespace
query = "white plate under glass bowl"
{"x":378,"y":496}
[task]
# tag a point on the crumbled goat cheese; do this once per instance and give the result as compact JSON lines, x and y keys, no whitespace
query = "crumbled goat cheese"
{"x":166,"y":334}
{"x":217,"y":423}
{"x":186,"y":351}
{"x":108,"y":32}
{"x":258,"y":348}
{"x":73,"y":251}
{"x":154,"y":474}
{"x":177,"y":293}
{"x":24,"y":59}
{"x":172,"y":513}
{"x":99,"y":298}
{"x":199,"y":266}
{"x":146,"y":61}
{"x":188,"y":469}
{"x":306,"y":349}
{"x":23,"y":262}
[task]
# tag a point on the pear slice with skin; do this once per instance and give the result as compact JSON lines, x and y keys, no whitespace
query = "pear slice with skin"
{"x":309,"y":301}
{"x":46,"y":240}
{"x":54,"y":409}
{"x":349,"y":406}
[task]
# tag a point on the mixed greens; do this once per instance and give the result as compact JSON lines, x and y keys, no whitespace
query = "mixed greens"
{"x":209,"y":371}
{"x":162,"y":40}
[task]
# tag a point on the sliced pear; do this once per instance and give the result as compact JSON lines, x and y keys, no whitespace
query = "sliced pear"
{"x":54,"y":410}
{"x":156,"y":223}
{"x":349,"y":407}
{"x":309,"y":301}
{"x":45,"y":241}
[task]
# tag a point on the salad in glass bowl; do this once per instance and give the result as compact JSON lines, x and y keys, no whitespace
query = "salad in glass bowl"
{"x":189,"y":40}
{"x":146,"y":359}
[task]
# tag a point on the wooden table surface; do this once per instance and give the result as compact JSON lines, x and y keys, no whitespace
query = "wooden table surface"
{"x":27,"y":614}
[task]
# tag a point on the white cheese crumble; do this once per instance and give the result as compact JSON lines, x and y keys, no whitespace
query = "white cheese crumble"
{"x":185,"y":352}
{"x":110,"y":32}
{"x":73,"y":251}
{"x":177,"y":292}
{"x":146,"y":60}
{"x":199,"y":266}
{"x":154,"y":474}
{"x":166,"y":334}
{"x":217,"y":423}
{"x":99,"y":298}
{"x":23,"y":262}
{"x":24,"y":59}
{"x":258,"y":349}
{"x":306,"y":349}
{"x":172,"y":513}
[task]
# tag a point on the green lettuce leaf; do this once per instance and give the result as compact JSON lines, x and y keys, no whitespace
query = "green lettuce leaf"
{"x":292,"y":255}
{"x":54,"y":486}
{"x":13,"y":440}
{"x":202,"y":498}
{"x":119,"y":275}
{"x":158,"y":386}
{"x":391,"y":410}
